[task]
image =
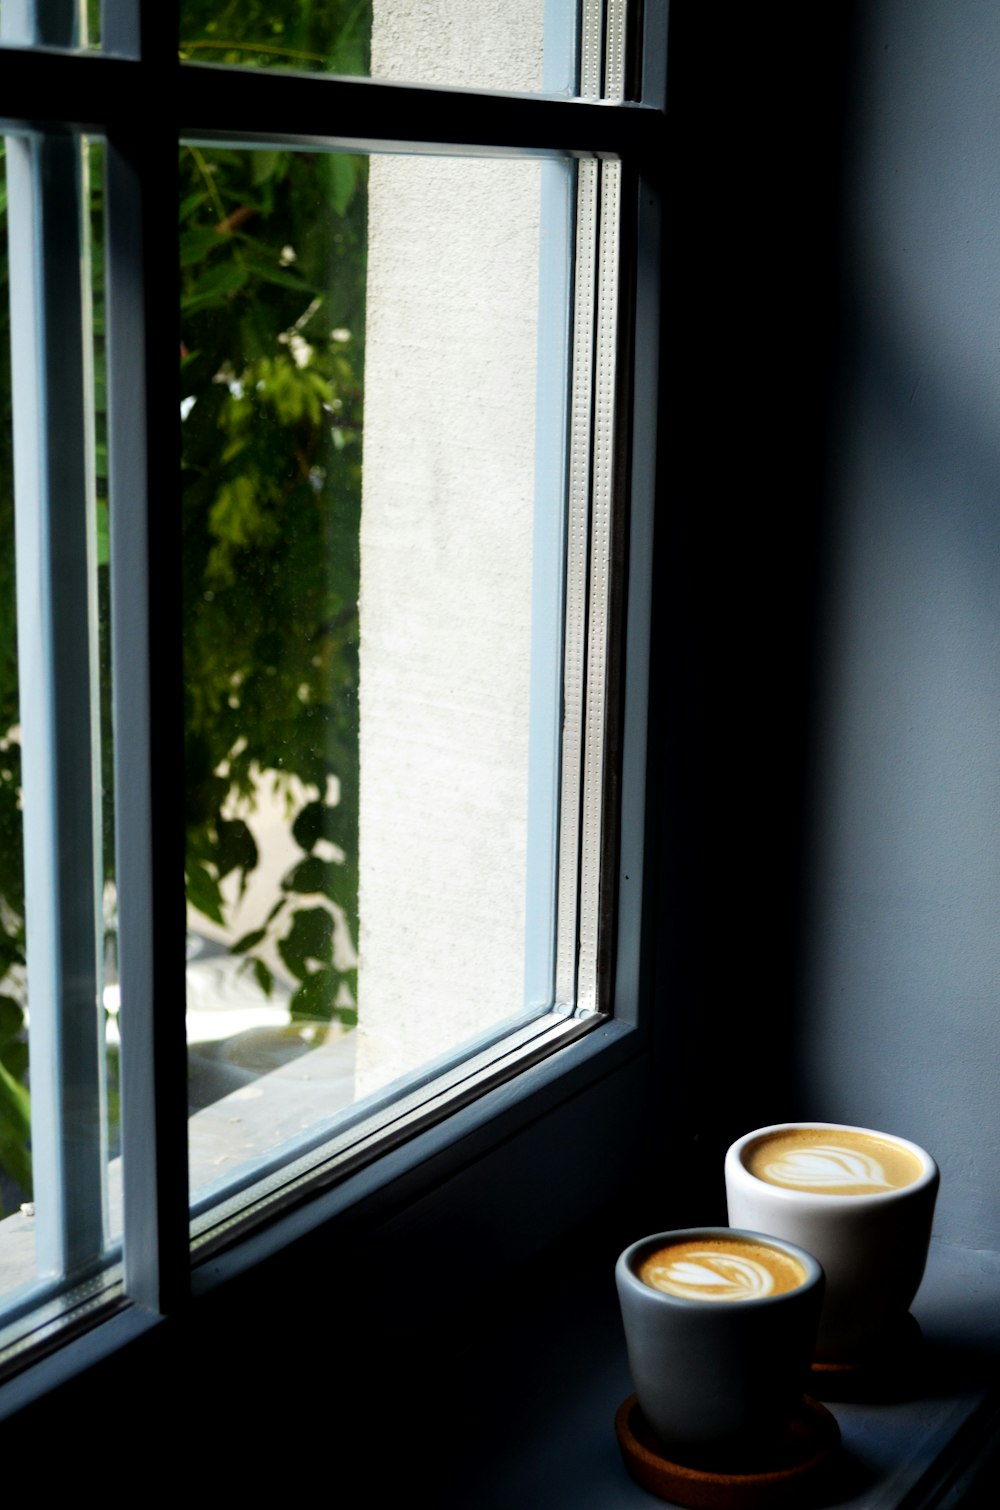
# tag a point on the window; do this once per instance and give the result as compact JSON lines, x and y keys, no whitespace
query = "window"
{"x":542,"y":200}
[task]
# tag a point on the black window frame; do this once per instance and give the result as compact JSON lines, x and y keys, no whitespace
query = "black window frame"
{"x":559,"y":1139}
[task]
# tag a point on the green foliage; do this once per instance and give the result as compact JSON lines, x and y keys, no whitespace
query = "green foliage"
{"x":272,"y":307}
{"x":331,"y":35}
{"x":15,"y":1112}
{"x":272,"y":249}
{"x":273,"y":264}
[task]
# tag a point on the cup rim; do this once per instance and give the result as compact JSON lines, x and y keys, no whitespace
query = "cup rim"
{"x":734,"y":1164}
{"x":625,"y":1266}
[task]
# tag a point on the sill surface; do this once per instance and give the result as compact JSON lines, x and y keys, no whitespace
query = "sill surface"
{"x":539,"y":1429}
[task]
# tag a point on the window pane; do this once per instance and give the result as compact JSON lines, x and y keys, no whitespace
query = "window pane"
{"x":17,"y":1244}
{"x":70,"y":24}
{"x":57,"y":1118}
{"x":107,"y":920}
{"x":367,"y":621}
{"x":521,"y":45}
{"x":271,"y":369}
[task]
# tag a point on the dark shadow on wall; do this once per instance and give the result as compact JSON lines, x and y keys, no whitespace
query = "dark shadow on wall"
{"x":900,"y":960}
{"x":756,"y":106}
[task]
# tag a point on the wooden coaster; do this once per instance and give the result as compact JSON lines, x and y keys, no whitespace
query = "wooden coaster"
{"x":885,"y":1370}
{"x":810,"y":1440}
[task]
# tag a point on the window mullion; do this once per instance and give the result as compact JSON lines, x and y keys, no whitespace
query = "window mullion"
{"x":57,"y":636}
{"x":591,"y":48}
{"x":589,"y":527}
{"x":602,"y":499}
{"x":614,"y":57}
{"x":148,"y":714}
{"x":577,"y":541}
{"x":558,"y":199}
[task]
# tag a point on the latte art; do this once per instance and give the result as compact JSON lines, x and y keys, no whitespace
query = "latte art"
{"x":828,"y":1161}
{"x":721,"y":1270}
{"x":829,"y":1165}
{"x":706,"y":1276}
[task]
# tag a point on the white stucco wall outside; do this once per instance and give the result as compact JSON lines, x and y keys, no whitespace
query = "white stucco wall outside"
{"x":446,"y":557}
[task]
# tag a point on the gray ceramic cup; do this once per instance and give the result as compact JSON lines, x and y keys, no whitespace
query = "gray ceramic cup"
{"x":716,"y":1378}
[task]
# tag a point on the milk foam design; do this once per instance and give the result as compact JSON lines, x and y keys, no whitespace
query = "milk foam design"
{"x":713,"y":1276}
{"x":828,"y":1165}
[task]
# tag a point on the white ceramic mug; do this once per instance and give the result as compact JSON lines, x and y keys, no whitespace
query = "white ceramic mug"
{"x":871,"y":1240}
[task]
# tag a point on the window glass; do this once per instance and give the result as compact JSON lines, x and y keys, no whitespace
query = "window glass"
{"x":107,"y":902}
{"x":59,"y":1180}
{"x":373,"y":581}
{"x":521,"y":45}
{"x":272,"y":364}
{"x":70,"y":24}
{"x":15,"y":1120}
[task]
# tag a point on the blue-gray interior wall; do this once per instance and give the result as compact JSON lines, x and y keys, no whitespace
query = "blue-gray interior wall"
{"x":900,"y":971}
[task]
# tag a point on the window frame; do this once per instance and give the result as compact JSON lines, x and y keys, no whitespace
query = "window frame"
{"x":591,"y":1091}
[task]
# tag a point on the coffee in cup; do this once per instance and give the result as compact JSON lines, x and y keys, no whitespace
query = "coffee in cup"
{"x":719,"y":1327}
{"x":721,"y":1269}
{"x":825,"y":1162}
{"x":862,"y":1201}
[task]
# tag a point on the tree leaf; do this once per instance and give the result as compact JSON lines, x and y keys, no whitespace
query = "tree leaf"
{"x":190,"y":203}
{"x":202,"y":890}
{"x":273,"y":272}
{"x":310,"y":876}
{"x":103,"y":535}
{"x":236,"y":849}
{"x":263,"y":976}
{"x":11,"y":1019}
{"x":318,"y":820}
{"x":342,"y":178}
{"x":310,"y":940}
{"x":248,"y":941}
{"x":315,"y":997}
{"x":215,"y":286}
{"x":263,"y":164}
{"x":15,"y":1128}
{"x":198,"y":244}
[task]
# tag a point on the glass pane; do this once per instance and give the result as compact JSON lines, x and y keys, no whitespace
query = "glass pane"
{"x":58,"y":1117}
{"x":71,"y":24}
{"x":364,"y":622}
{"x":107,"y":921}
{"x":17,"y":1252}
{"x":526,"y":45}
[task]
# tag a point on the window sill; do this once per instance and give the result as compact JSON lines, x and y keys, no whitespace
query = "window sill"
{"x":457,"y":1169}
{"x":535,"y":1426}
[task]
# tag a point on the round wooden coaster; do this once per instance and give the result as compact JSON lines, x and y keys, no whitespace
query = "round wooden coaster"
{"x":889,"y":1365}
{"x":810,"y":1440}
